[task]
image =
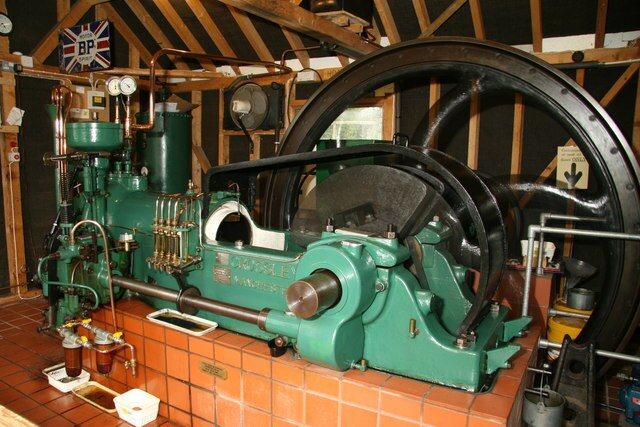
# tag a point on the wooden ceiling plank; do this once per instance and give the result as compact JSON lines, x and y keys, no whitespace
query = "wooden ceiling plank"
{"x":251,"y":33}
{"x":182,"y":29}
{"x":126,"y":32}
{"x":476,"y":16}
{"x":536,"y":24}
{"x":50,"y":41}
{"x":153,"y":28}
{"x":296,"y":43}
{"x":298,"y":19}
{"x":387,"y":21}
{"x":420,"y":8}
{"x":444,"y":16}
{"x":601,"y":23}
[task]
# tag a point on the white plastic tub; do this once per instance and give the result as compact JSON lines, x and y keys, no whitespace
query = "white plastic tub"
{"x":58,"y":378}
{"x":137,"y":407}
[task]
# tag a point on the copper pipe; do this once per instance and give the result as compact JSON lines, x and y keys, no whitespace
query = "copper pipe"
{"x":185,"y":53}
{"x":107,"y":259}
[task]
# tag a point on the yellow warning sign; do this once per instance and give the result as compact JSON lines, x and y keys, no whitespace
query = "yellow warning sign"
{"x":573,"y":169}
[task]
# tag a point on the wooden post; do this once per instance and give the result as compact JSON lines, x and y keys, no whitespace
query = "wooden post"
{"x":474,"y":131}
{"x":516,"y":140}
{"x":635,"y":138}
{"x":223,"y":140}
{"x":434,"y":100}
{"x":196,"y":138}
{"x":11,"y":198}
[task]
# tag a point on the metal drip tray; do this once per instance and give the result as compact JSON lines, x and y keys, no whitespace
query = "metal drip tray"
{"x":173,"y":319}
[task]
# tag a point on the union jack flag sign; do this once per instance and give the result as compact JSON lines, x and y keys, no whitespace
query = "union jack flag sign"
{"x":85,"y":47}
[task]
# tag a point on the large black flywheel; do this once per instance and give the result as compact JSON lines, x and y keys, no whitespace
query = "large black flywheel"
{"x":488,"y":68}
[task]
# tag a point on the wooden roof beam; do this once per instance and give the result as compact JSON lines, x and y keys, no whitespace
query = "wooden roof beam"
{"x":603,"y":55}
{"x":601,"y":23}
{"x":387,"y":21}
{"x":127,"y":33}
{"x":153,"y":28}
{"x":476,"y":16}
{"x":444,"y":16}
{"x":250,"y":32}
{"x":296,"y":43}
{"x":536,"y":24}
{"x":181,"y":29}
{"x":422,"y":14}
{"x":294,"y":17}
{"x":214,"y":32}
{"x":62,"y":8}
{"x":49,"y":42}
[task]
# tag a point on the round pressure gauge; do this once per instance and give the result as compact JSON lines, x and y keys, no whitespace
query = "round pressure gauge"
{"x":128,"y":85}
{"x":6,"y":26}
{"x":113,"y":86}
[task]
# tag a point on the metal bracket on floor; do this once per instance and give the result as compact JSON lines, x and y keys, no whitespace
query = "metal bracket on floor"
{"x":575,"y":379}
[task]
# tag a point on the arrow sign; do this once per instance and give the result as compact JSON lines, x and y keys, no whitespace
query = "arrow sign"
{"x":573,"y":168}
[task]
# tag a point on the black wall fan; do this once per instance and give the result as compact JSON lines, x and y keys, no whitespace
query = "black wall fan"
{"x":250,"y":107}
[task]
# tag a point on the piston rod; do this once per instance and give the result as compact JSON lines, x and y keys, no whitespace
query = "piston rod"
{"x":556,"y":312}
{"x":228,"y":310}
{"x":543,"y":343}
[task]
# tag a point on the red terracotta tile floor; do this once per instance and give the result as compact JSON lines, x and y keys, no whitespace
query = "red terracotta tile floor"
{"x":256,"y":390}
{"x":24,"y":390}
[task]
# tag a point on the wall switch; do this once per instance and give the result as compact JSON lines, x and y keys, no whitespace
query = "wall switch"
{"x":13,"y":156}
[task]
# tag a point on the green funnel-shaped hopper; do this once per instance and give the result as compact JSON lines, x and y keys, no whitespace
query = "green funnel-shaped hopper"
{"x":95,"y":136}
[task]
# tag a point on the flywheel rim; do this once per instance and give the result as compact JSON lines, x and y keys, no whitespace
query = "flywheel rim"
{"x":586,"y":121}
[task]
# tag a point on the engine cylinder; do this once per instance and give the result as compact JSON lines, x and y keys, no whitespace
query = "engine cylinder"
{"x":165,"y":151}
{"x":311,"y":295}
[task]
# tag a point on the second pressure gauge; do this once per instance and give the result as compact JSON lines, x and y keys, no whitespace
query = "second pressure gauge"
{"x":128,"y":85}
{"x":113,"y":86}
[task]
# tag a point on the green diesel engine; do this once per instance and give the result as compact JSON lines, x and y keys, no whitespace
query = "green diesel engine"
{"x":362,"y":276}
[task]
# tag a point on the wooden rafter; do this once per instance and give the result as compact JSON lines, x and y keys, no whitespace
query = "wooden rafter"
{"x":50,"y":41}
{"x":536,"y":24}
{"x":344,"y":60}
{"x":294,"y":17}
{"x":444,"y":16}
{"x":62,"y":8}
{"x":601,"y":23}
{"x":212,"y":29}
{"x":476,"y":16}
{"x":214,"y":32}
{"x":126,"y":32}
{"x":422,"y":14}
{"x":296,"y":43}
{"x":604,"y":101}
{"x":182,"y":29}
{"x":153,"y":28}
{"x":251,"y":33}
{"x":387,"y":21}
